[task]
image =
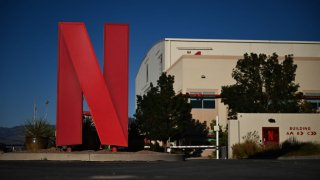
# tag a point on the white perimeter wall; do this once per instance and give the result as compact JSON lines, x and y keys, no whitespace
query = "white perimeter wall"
{"x":304,"y":127}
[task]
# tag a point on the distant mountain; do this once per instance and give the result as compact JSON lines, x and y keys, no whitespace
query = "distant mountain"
{"x":14,"y":135}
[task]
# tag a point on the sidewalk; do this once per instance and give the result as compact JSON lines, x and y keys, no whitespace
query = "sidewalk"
{"x":91,"y":156}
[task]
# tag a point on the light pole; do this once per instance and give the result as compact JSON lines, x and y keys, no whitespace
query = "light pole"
{"x":34,"y":110}
{"x":216,"y":128}
{"x":46,"y":115}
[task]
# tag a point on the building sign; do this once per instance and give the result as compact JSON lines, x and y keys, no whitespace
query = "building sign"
{"x":79,"y":75}
{"x":301,"y":131}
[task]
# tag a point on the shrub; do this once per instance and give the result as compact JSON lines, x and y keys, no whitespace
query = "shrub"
{"x":135,"y":139}
{"x":38,"y":128}
{"x":90,"y":138}
{"x":251,"y":136}
{"x":156,"y":147}
{"x":248,"y":148}
{"x":245,"y":149}
{"x":39,"y":134}
{"x":292,"y":147}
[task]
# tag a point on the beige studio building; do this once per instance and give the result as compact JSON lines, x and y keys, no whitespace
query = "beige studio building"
{"x":202,"y":66}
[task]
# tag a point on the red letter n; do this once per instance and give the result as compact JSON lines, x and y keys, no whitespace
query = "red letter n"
{"x":106,"y":94}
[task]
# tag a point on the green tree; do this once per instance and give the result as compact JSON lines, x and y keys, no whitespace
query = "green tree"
{"x":263,"y":85}
{"x":196,"y":133}
{"x":135,"y":139}
{"x":161,"y":114}
{"x":280,"y":90}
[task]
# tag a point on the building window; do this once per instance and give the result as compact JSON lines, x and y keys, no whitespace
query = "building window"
{"x":203,"y":100}
{"x":209,"y":104}
{"x":196,"y":103}
{"x":160,"y":63}
{"x":147,"y":73}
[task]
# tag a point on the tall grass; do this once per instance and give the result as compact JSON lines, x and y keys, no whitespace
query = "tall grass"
{"x":292,"y":147}
{"x":250,"y":148}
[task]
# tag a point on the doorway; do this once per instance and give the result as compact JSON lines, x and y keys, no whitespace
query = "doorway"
{"x":270,"y":135}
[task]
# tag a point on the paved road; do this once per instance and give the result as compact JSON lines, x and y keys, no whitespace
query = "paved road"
{"x":190,"y":169}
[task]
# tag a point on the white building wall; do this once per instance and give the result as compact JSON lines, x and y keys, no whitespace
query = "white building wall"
{"x":303,"y":127}
{"x":150,"y":69}
{"x":177,"y":70}
{"x":217,"y":71}
{"x":217,"y":59}
{"x":308,"y":71}
{"x":173,"y":49}
{"x":181,"y":47}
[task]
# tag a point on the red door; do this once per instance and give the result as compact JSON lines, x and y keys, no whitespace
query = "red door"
{"x":270,"y":135}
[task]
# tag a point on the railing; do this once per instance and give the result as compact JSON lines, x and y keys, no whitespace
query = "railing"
{"x":218,"y":96}
{"x":194,"y":147}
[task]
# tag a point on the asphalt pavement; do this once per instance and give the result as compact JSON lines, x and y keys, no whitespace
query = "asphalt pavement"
{"x":189,"y":169}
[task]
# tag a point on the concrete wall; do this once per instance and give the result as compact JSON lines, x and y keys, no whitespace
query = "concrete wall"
{"x":304,"y":127}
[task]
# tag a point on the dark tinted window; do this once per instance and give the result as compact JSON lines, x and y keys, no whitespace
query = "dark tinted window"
{"x":208,"y":104}
{"x":196,"y":103}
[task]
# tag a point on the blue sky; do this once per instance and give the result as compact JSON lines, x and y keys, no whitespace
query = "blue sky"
{"x":29,"y":35}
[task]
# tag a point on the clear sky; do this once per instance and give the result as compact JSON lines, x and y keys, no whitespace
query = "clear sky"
{"x":29,"y":36}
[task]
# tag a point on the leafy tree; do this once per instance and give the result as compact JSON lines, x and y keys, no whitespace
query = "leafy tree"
{"x":263,"y":85}
{"x":281,"y":92}
{"x":161,"y":114}
{"x":196,"y":133}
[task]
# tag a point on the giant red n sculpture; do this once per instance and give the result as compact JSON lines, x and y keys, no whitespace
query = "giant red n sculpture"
{"x":79,"y":75}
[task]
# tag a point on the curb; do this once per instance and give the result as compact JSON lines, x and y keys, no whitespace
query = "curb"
{"x":90,"y":157}
{"x":298,"y":157}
